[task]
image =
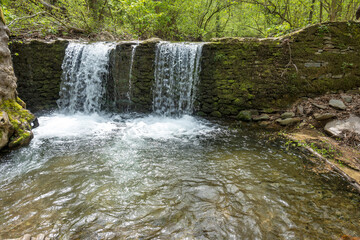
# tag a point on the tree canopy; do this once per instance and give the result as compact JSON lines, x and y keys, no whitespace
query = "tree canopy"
{"x":172,"y":19}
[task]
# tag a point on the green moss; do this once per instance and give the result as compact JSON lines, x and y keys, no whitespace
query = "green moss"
{"x":20,"y":119}
{"x":244,"y":115}
{"x":216,"y":114}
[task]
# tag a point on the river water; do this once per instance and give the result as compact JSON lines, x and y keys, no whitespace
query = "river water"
{"x":151,"y":177}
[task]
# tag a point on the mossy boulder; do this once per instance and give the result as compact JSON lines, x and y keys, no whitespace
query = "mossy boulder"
{"x":15,"y":127}
{"x":244,"y":116}
{"x":6,"y":129}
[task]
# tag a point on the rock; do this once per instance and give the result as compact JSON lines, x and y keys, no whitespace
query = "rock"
{"x":303,"y":124}
{"x":264,"y":123}
{"x":254,"y":112}
{"x":288,"y":121}
{"x":325,"y":116}
{"x":35,"y":123}
{"x":270,"y":110}
{"x":151,"y":40}
{"x":216,"y":114}
{"x":262,"y":117}
{"x":319,"y":106}
{"x":347,"y":98}
{"x":338,"y":76}
{"x":300,"y":110}
{"x":26,"y":237}
{"x":40,"y":237}
{"x":287,"y":115}
{"x":239,"y":101}
{"x":244,"y":116}
{"x":313,"y":64}
{"x":7,"y":76}
{"x":336,"y":127}
{"x":6,"y":129}
{"x":338,"y":104}
{"x":353,"y":91}
{"x":15,"y":121}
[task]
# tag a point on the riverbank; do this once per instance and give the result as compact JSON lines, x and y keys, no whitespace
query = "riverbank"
{"x":329,"y":134}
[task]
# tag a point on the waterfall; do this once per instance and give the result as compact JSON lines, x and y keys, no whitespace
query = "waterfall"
{"x":177,"y":68}
{"x":133,"y":51}
{"x":85,"y":73}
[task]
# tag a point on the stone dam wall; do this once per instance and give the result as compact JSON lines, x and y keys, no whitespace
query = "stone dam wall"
{"x":236,"y":73}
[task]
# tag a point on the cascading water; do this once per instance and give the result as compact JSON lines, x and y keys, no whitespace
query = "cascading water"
{"x":85,"y":72}
{"x":177,"y":68}
{"x":133,"y":51}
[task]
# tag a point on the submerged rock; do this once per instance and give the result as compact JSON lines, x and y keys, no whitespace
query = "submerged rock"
{"x":337,"y":127}
{"x":338,"y":104}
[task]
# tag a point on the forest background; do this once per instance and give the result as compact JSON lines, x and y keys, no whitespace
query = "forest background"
{"x":179,"y":20}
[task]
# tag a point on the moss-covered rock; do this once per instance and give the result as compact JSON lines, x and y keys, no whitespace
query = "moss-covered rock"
{"x":20,"y":120}
{"x":15,"y":120}
{"x":244,"y":116}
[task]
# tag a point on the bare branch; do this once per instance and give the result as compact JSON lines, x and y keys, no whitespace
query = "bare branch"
{"x":26,"y":17}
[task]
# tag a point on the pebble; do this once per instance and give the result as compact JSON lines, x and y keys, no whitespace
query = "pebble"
{"x":319,"y":106}
{"x":347,"y":98}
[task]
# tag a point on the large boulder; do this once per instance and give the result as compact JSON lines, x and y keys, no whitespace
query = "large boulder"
{"x":337,"y":128}
{"x":15,"y":120}
{"x":6,"y":129}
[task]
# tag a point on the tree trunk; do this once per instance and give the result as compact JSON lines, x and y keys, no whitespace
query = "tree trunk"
{"x":333,"y":11}
{"x":312,"y":9}
{"x":321,"y":12}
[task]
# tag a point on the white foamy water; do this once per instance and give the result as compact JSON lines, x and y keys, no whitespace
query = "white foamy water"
{"x":77,"y":125}
{"x":165,"y":128}
{"x":154,"y":127}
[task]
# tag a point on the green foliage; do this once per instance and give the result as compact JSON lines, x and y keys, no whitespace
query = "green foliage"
{"x":173,"y":19}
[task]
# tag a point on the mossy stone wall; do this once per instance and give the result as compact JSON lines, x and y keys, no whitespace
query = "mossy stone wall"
{"x":237,"y":74}
{"x":37,"y":66}
{"x":131,"y":89}
{"x":264,"y":74}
